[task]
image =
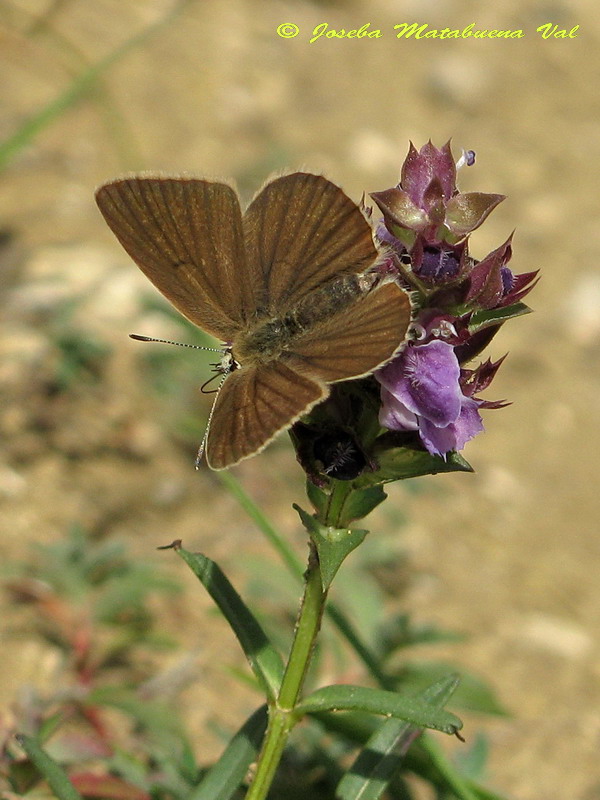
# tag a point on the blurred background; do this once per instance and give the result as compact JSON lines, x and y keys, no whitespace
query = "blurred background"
{"x":100,"y":432}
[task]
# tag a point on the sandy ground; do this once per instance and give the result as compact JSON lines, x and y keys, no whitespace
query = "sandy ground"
{"x":510,"y":554}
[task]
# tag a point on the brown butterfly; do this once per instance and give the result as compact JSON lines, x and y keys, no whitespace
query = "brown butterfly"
{"x":286,"y":286}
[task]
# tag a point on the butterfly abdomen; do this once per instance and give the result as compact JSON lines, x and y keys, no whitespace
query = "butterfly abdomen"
{"x":269,"y":338}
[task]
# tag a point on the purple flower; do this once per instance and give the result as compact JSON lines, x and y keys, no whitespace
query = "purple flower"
{"x":421,"y":391}
{"x":427,"y":202}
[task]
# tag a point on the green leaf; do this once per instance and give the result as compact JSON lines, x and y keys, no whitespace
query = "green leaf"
{"x":379,"y":760}
{"x":52,"y":772}
{"x":153,"y":715}
{"x":317,"y":497}
{"x":473,"y":694}
{"x":361,"y":502}
{"x":496,"y":316}
{"x":264,"y":660}
{"x":399,"y":631}
{"x":472,"y":761}
{"x":378,"y":701}
{"x":442,"y":690}
{"x":425,"y":758}
{"x":438,"y":770}
{"x":333,"y":544}
{"x":399,"y":463}
{"x":225,"y":776}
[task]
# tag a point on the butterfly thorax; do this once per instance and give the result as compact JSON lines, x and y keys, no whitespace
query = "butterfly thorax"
{"x":272,"y":336}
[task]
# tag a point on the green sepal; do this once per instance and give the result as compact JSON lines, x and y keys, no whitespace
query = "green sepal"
{"x":485,"y":318}
{"x":224,"y":778}
{"x":399,"y":463}
{"x":361,"y":502}
{"x":411,"y":709}
{"x":48,"y":767}
{"x":333,"y":544}
{"x":404,"y":235}
{"x":264,"y":660}
{"x":356,"y":504}
{"x":382,"y":755}
{"x":317,"y":497}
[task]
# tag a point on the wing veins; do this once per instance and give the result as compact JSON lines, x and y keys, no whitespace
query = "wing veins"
{"x":136,"y":231}
{"x":157,"y":189}
{"x":209,"y":219}
{"x":279,"y":232}
{"x":335,"y":254}
{"x":185,"y":234}
{"x":151,"y":206}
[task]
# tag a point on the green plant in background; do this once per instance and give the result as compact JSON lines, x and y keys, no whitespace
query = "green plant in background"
{"x":91,"y":601}
{"x":77,"y":355}
{"x":83,"y":83}
{"x":95,"y":584}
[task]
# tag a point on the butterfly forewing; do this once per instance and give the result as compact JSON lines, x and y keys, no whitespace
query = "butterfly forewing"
{"x":186,"y":236}
{"x":356,"y":339}
{"x":301,"y":230}
{"x":253,"y":406}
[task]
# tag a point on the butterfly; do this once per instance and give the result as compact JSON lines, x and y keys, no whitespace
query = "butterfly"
{"x":287,"y":286}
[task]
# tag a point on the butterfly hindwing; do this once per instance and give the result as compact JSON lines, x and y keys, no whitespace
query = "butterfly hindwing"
{"x":254,"y":404}
{"x":356,"y":339}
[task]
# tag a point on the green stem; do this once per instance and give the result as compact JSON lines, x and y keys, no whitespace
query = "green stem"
{"x":281,"y":714}
{"x":307,"y":628}
{"x":289,"y":558}
{"x":370,"y":660}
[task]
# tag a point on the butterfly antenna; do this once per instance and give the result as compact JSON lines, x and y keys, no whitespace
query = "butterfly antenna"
{"x":138,"y":337}
{"x":227,"y":365}
{"x":202,"y":447}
